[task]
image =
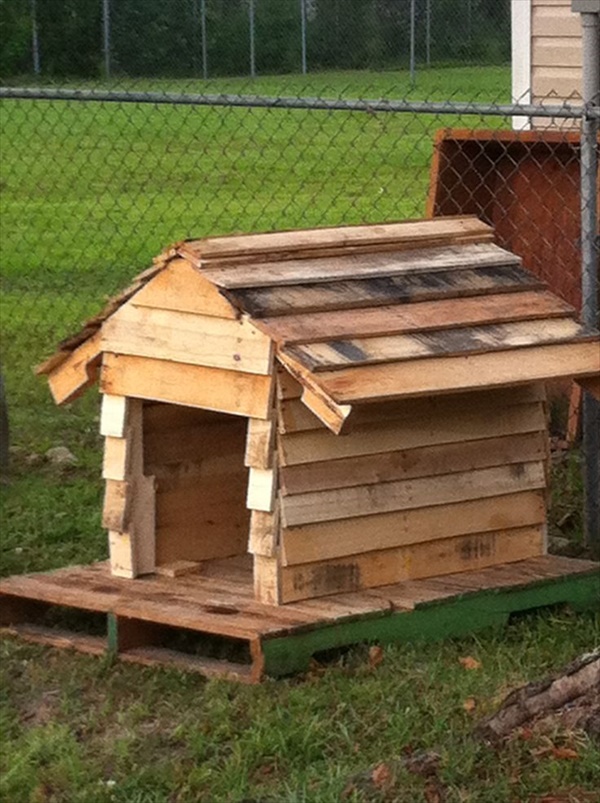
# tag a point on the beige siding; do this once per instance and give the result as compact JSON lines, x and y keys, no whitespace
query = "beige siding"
{"x":555,"y":51}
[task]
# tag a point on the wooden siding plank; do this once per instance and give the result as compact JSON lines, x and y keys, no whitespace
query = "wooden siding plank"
{"x":294,"y":416}
{"x":453,"y":374}
{"x":411,"y":433}
{"x":337,"y":354}
{"x":334,"y":539}
{"x":264,"y":533}
{"x":434,"y":558}
{"x":115,"y":462}
{"x":418,"y":317}
{"x":235,"y":345}
{"x":182,"y":288}
{"x":74,"y":375}
{"x":364,"y":500}
{"x":196,"y":386}
{"x":355,"y":294}
{"x":301,"y":271}
{"x":262,"y":487}
{"x":405,"y":464}
{"x":260,"y":443}
{"x":113,"y":415}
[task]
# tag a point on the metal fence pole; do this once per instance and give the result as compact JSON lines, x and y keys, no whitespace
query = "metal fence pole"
{"x":590,"y":28}
{"x":252,"y":50}
{"x":428,"y":32}
{"x":204,"y":40}
{"x":303,"y":34}
{"x":35,"y":43}
{"x":412,"y":42}
{"x":106,"y":36}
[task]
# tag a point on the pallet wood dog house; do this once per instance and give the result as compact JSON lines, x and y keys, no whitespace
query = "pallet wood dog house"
{"x":355,"y":406}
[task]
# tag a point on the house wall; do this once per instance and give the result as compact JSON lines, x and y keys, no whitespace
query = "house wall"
{"x":418,"y":488}
{"x":556,"y":53}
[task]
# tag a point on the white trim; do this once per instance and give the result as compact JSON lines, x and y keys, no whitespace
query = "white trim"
{"x":521,"y":58}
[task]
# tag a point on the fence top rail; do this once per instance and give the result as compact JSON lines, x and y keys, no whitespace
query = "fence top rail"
{"x":564,"y":111}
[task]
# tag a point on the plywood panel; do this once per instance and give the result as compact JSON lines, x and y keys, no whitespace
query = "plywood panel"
{"x":211,"y":388}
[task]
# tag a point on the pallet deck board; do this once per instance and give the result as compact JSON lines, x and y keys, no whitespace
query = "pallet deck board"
{"x":282,"y":638}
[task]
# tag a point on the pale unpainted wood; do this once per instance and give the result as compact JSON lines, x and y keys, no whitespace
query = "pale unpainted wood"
{"x":300,"y":271}
{"x":411,"y":433}
{"x":287,"y":386}
{"x":262,"y":488}
{"x":179,"y":568}
{"x":444,"y":230}
{"x":363,"y":500}
{"x":264,"y":533}
{"x":431,"y":559}
{"x":117,"y":503}
{"x":115,"y":462}
{"x":113,"y":415}
{"x":260,"y":443}
{"x":453,"y":374}
{"x":196,"y":386}
{"x":235,"y":345}
{"x":182,"y":288}
{"x":418,"y":317}
{"x":333,"y":416}
{"x":267,"y":581}
{"x":333,"y":539}
{"x":339,"y":354}
{"x":404,"y":464}
{"x":294,"y":416}
{"x":264,"y":302}
{"x":73,"y":375}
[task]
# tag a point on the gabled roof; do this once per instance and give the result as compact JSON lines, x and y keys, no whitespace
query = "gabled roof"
{"x":369,"y":313}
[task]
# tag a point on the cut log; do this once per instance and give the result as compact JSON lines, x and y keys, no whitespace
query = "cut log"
{"x":536,"y":700}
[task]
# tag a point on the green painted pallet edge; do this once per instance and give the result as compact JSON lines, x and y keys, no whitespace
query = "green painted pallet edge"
{"x":458,"y":616}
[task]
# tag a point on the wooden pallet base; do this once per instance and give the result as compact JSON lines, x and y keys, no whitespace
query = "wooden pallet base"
{"x":211,"y":624}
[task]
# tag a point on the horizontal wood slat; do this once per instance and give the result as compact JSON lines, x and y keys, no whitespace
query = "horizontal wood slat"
{"x":301,"y":271}
{"x":355,"y":294}
{"x":472,"y":340}
{"x":451,"y":374}
{"x":235,"y":345}
{"x":417,"y":317}
{"x":429,"y":461}
{"x":321,"y":445}
{"x":196,"y":386}
{"x":334,"y":539}
{"x":441,"y":557}
{"x":363,"y":500}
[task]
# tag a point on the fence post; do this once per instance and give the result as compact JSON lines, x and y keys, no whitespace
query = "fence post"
{"x":303,"y":34}
{"x":252,"y":50}
{"x":204,"y":40}
{"x":428,"y":33}
{"x":590,"y":33}
{"x":35,"y":43}
{"x":412,"y":42}
{"x":106,"y":36}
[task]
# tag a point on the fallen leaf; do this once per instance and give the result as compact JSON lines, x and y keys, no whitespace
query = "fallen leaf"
{"x":469,"y":662}
{"x":381,"y":776}
{"x":470,"y":704}
{"x":434,"y":793}
{"x":564,"y":753}
{"x":375,"y":656}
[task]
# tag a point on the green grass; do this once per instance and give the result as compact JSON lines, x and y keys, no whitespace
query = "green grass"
{"x":90,"y":192}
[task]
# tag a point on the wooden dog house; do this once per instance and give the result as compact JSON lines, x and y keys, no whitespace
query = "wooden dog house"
{"x":354,"y":406}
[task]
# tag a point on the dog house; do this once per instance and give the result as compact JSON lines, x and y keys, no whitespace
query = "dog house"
{"x":354,"y":407}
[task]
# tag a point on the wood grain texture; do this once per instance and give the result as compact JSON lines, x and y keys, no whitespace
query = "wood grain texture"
{"x":337,"y":354}
{"x":197,"y":386}
{"x":434,"y":558}
{"x":333,"y":539}
{"x":363,"y":500}
{"x":182,"y":288}
{"x":300,"y":271}
{"x":429,"y":461}
{"x":418,"y":317}
{"x":260,"y":443}
{"x":72,"y":376}
{"x":264,"y":533}
{"x":418,"y":431}
{"x":235,"y":345}
{"x":359,"y":293}
{"x":452,"y":374}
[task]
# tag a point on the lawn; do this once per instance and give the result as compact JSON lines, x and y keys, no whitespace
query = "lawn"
{"x":90,"y":192}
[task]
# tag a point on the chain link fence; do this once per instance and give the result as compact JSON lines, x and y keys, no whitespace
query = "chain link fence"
{"x":359,"y":111}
